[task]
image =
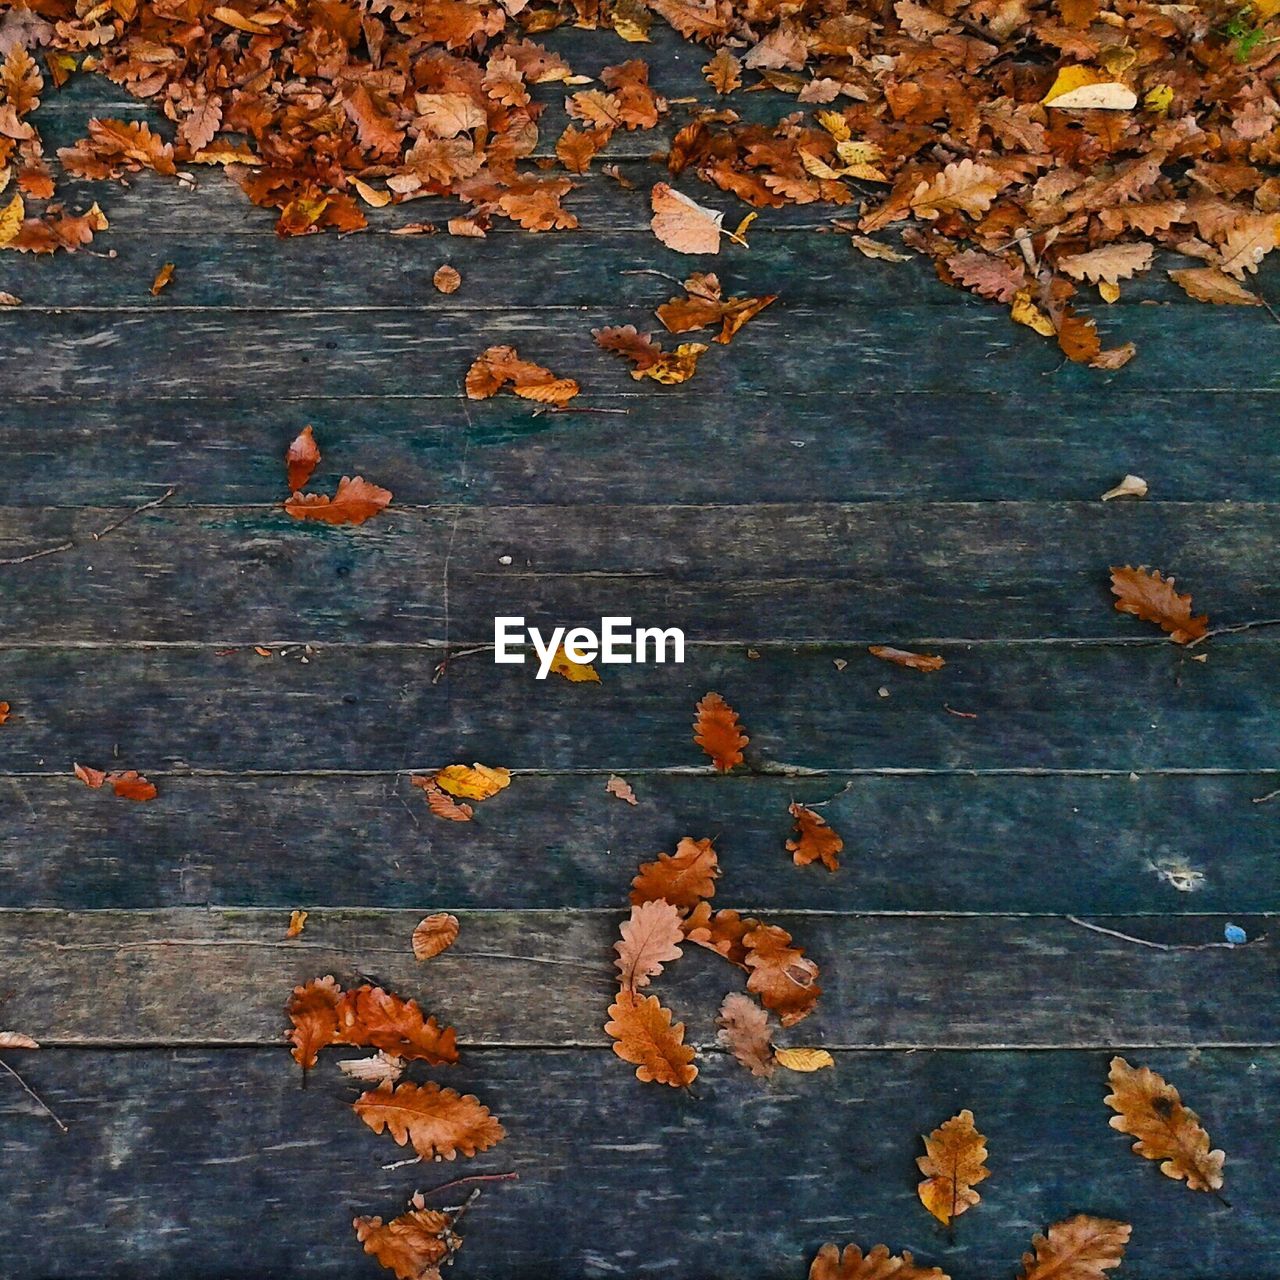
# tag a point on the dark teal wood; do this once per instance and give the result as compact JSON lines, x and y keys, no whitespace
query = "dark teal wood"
{"x":251,"y":1175}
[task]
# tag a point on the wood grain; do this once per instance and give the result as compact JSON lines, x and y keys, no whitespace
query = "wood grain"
{"x":186,"y":976}
{"x":189,"y":1162}
{"x":1052,"y":843}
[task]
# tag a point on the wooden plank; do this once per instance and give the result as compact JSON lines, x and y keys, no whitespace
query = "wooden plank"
{"x":1058,"y":844}
{"x":826,"y":447}
{"x":191,"y":976}
{"x":216,"y":266}
{"x":196,"y":1165}
{"x":787,"y":349}
{"x":860,"y":572}
{"x":1045,"y":707}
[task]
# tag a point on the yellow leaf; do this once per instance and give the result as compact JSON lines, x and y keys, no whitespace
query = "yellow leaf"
{"x":1024,"y":311}
{"x":1086,"y":89}
{"x":371,"y":195}
{"x":739,"y":232}
{"x":473,"y":782}
{"x":835,"y":124}
{"x":576,"y":672}
{"x":805,"y":1060}
{"x":240,"y":22}
{"x":674,"y":366}
{"x":297,"y":922}
{"x":631,"y":21}
{"x":11,"y":219}
{"x":1109,"y":292}
{"x":1160,"y":98}
{"x":953,"y":1163}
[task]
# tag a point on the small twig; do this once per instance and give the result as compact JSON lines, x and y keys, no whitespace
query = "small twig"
{"x":452,"y":656}
{"x":1232,"y":630}
{"x":964,"y":715}
{"x":459,"y":1182}
{"x":35,"y":1097}
{"x":571,"y":408}
{"x":1165,"y":946}
{"x":400,"y":1164}
{"x":1271,"y":795}
{"x":71,"y":544}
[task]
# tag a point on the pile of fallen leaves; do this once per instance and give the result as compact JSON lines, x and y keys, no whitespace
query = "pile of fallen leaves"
{"x":1031,"y":148}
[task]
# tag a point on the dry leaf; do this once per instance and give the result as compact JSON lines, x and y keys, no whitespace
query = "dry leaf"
{"x":1112,"y":263}
{"x":1149,"y":1109}
{"x":878,"y":1264}
{"x":615,"y":786}
{"x":1129,"y":487}
{"x":127,"y":783}
{"x":804,"y":1060}
{"x":437,"y":1122}
{"x":574,"y":672}
{"x":441,"y":803}
{"x":365,"y":1017}
{"x":16,"y":1040}
{"x":446,"y":279}
{"x":780,"y":974}
{"x":744,"y":1031}
{"x":717,"y":731}
{"x":473,"y":782}
{"x":903,"y":658}
{"x":297,"y":922}
{"x":724,"y":72}
{"x":815,"y":841}
{"x":1084,"y":89}
{"x":5,"y":709}
{"x":962,"y":187}
{"x":870,"y":248}
{"x":1147,"y":595}
{"x":412,"y":1245}
{"x":498,"y":367}
{"x":953,"y":1164}
{"x":163,"y":276}
{"x":1081,"y":1248}
{"x":434,"y":934}
{"x":682,"y":878}
{"x":301,"y":459}
{"x":1209,"y":284}
{"x":355,"y":501}
{"x":683,"y":224}
{"x":650,"y":938}
{"x":382,"y":1069}
{"x":644,"y":1035}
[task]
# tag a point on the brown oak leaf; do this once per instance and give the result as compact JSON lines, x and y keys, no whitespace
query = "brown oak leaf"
{"x":644,"y":1034}
{"x":650,"y":938}
{"x":1081,"y":1248}
{"x":815,"y":840}
{"x":744,"y":1031}
{"x":878,"y":1264}
{"x":953,"y":1164}
{"x":717,"y":731}
{"x":301,"y":459}
{"x":434,"y":934}
{"x":412,"y":1245}
{"x":355,"y":501}
{"x":781,"y":975}
{"x":682,"y":878}
{"x":1151,"y":597}
{"x":437,"y":1122}
{"x":1148,"y":1108}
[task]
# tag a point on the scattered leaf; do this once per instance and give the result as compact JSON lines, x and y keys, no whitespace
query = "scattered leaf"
{"x":1147,"y":595}
{"x":682,"y":224}
{"x":1148,"y":1108}
{"x":650,"y":939}
{"x":437,"y":1122}
{"x":744,"y":1031}
{"x":498,"y":367}
{"x":1081,"y":1248}
{"x":574,"y":672}
{"x":440,"y":802}
{"x":1129,"y":487}
{"x":644,"y":1035}
{"x":904,"y":658}
{"x":163,"y":276}
{"x":682,"y":878}
{"x":615,"y":786}
{"x":447,"y":279}
{"x":412,"y":1245}
{"x":297,"y":922}
{"x":473,"y":782}
{"x":815,"y":841}
{"x":717,"y":731}
{"x":433,"y":935}
{"x":804,"y":1060}
{"x":355,"y":501}
{"x":877,"y":1264}
{"x":953,"y":1164}
{"x":301,"y":458}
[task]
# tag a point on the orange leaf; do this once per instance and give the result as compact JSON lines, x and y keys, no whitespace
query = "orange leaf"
{"x":297,"y":922}
{"x":411,"y":1245}
{"x":355,"y":502}
{"x":615,"y":786}
{"x":163,"y":276}
{"x":433,"y":935}
{"x":1147,"y":595}
{"x":717,"y":731}
{"x":313,"y":1010}
{"x":90,"y":777}
{"x":643,"y":1034}
{"x":878,"y":1264}
{"x":441,"y":803}
{"x":916,"y":661}
{"x":681,"y":878}
{"x":781,"y":976}
{"x":131,"y":785}
{"x":815,"y":840}
{"x":437,"y":1122}
{"x":497,"y":367}
{"x":301,"y":458}
{"x":744,"y":1031}
{"x":447,"y":279}
{"x":1148,"y":1108}
{"x":953,"y":1163}
{"x":4,"y":715}
{"x":1081,"y":1248}
{"x":720,"y":931}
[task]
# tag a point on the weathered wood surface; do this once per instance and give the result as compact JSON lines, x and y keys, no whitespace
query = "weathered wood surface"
{"x":84,"y":354}
{"x":182,"y":976}
{"x":834,"y":445}
{"x":876,"y":458}
{"x":1166,"y":844}
{"x":1042,"y":707}
{"x":190,"y":1162}
{"x":823,"y":572}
